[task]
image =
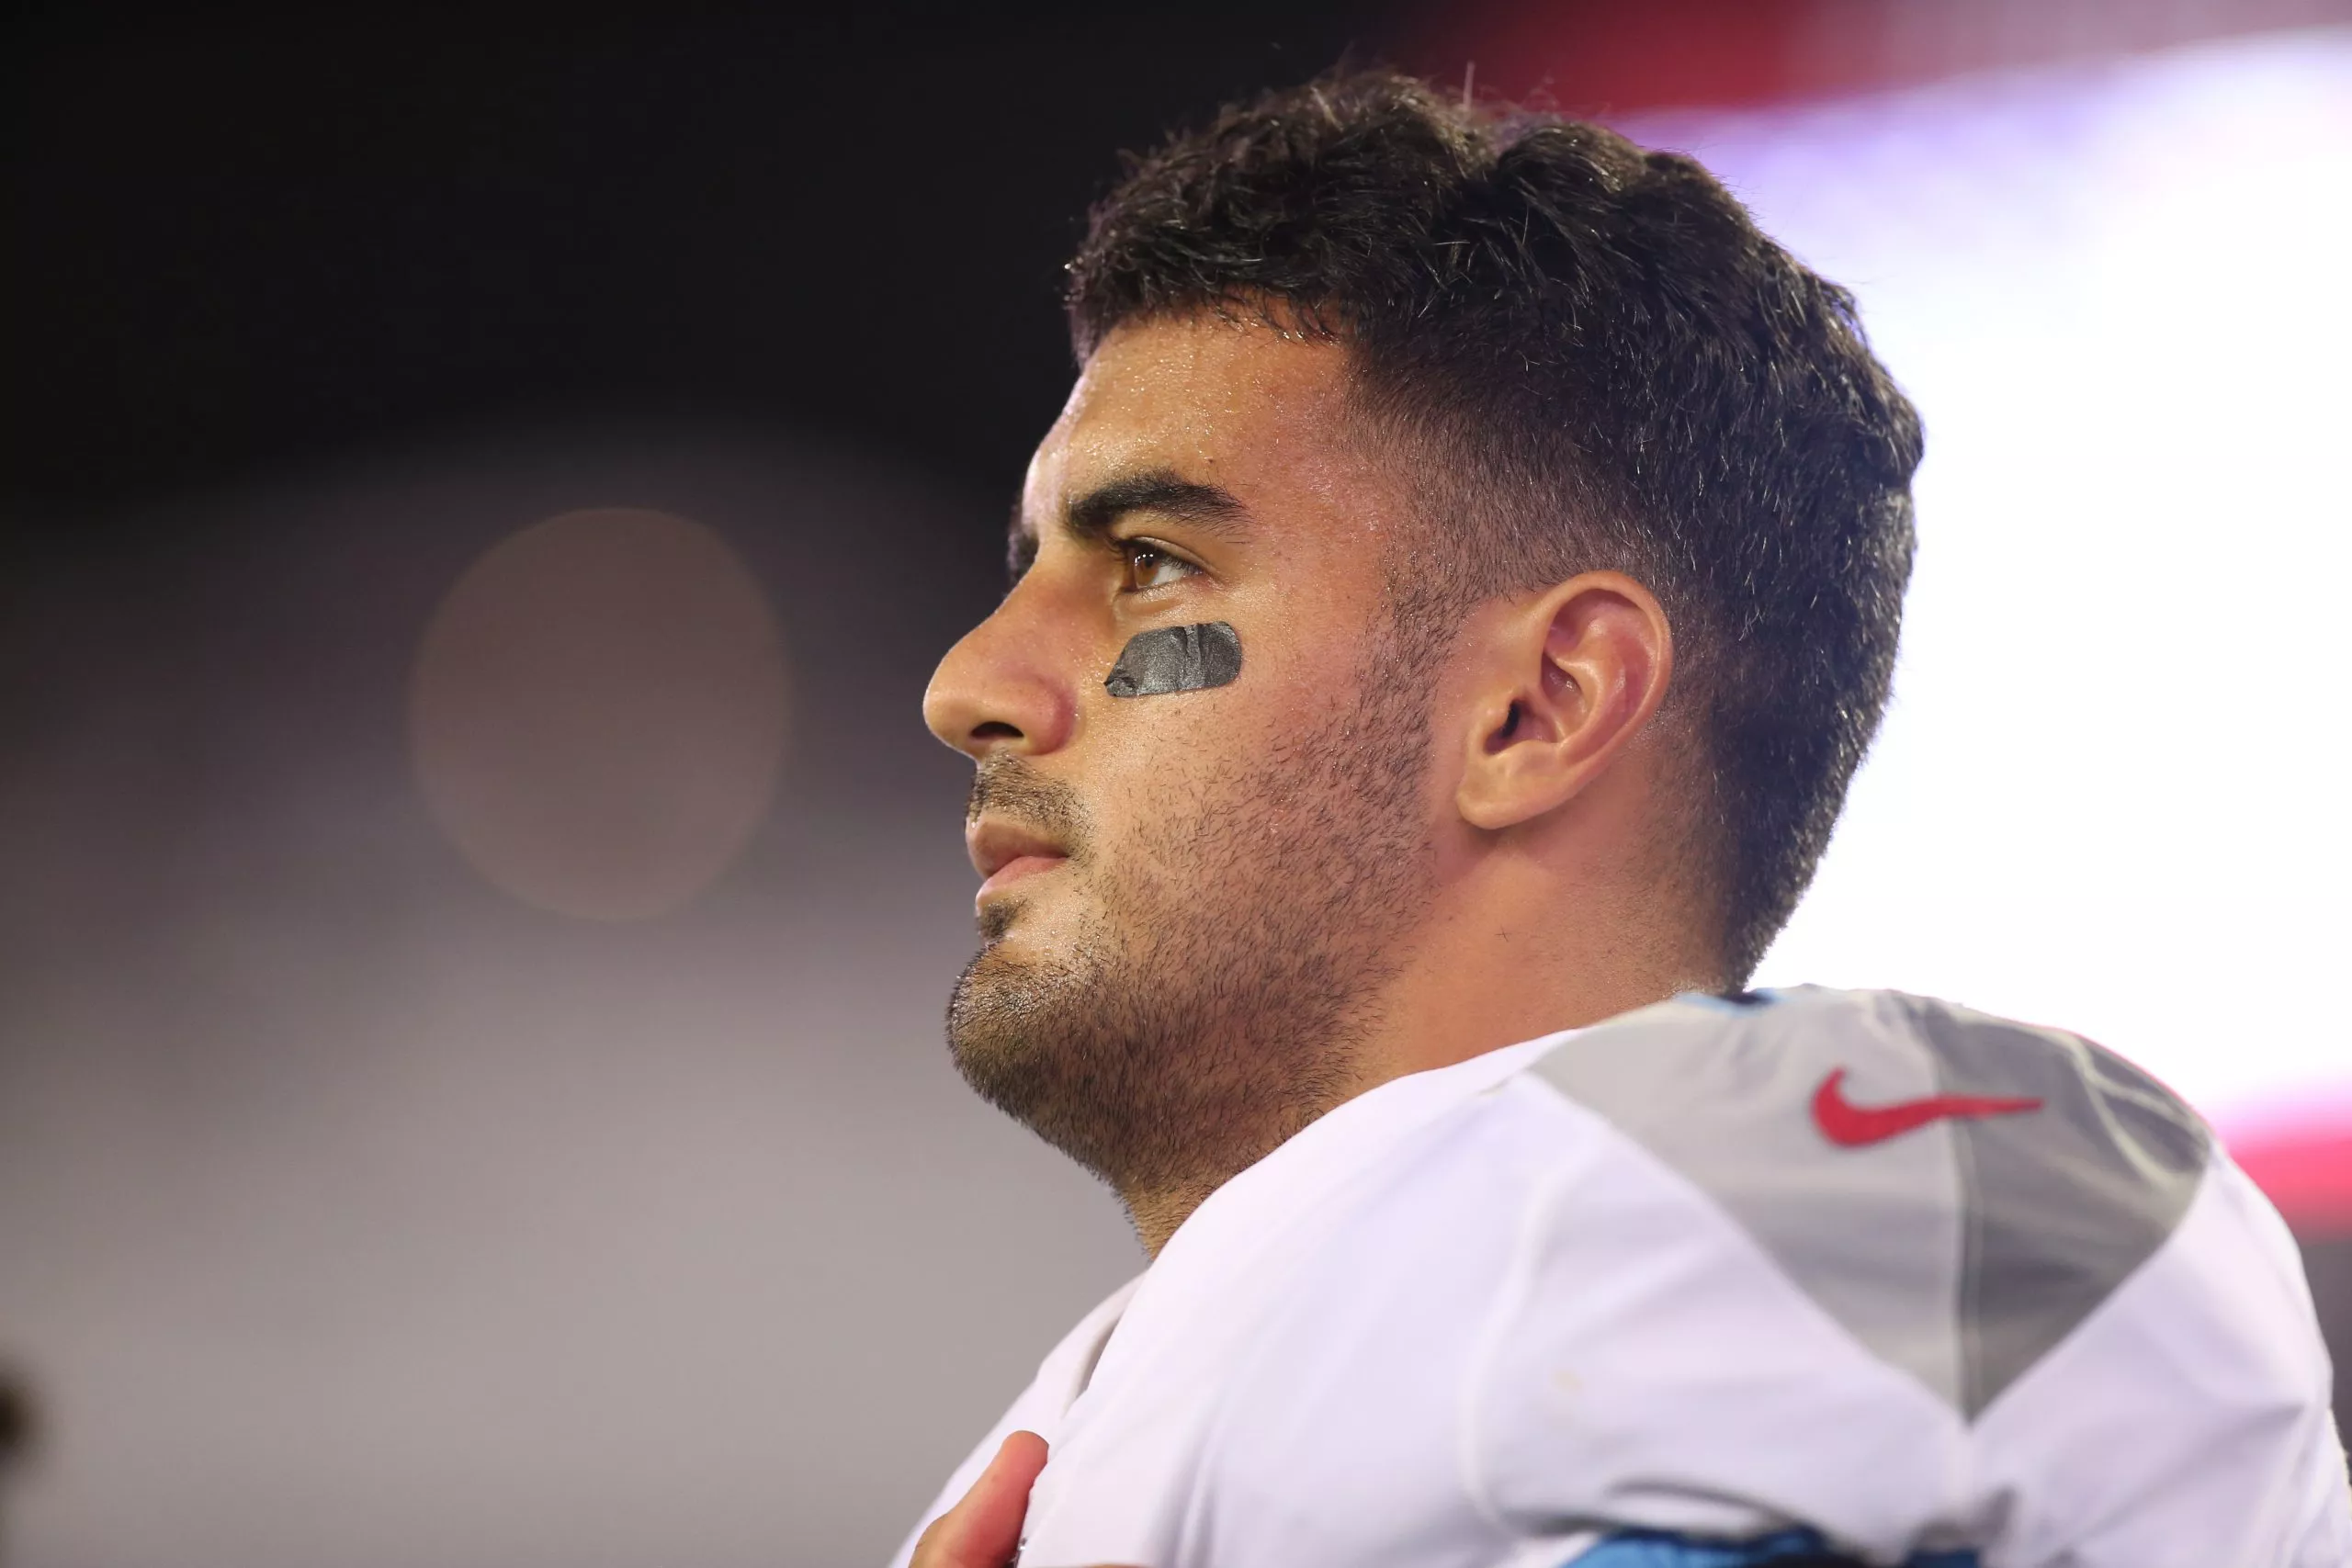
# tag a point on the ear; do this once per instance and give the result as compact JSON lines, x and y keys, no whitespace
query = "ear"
{"x":1569,"y":678}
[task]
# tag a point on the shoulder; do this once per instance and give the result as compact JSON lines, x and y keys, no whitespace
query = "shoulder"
{"x":1863,"y":1263}
{"x":1840,"y":1249}
{"x":1905,"y":1162}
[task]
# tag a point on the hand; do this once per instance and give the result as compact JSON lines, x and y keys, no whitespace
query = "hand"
{"x":984,"y":1530}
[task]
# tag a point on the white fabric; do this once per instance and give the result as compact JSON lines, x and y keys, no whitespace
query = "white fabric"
{"x":1463,"y":1322}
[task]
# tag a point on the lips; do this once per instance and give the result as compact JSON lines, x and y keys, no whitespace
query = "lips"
{"x":1004,"y":852}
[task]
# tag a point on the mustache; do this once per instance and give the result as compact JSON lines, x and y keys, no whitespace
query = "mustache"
{"x":1010,"y":787}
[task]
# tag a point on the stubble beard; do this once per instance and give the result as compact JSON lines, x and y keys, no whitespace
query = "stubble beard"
{"x":1216,"y":1000}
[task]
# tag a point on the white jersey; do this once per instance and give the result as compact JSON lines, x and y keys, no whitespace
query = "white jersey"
{"x":1707,"y":1285}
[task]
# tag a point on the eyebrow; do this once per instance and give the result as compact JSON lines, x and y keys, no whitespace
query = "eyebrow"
{"x":1091,"y":516}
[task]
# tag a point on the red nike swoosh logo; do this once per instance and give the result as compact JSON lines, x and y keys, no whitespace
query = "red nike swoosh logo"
{"x":1851,"y":1127}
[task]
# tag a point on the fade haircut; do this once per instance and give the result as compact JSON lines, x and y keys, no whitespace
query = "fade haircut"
{"x":1597,"y":361}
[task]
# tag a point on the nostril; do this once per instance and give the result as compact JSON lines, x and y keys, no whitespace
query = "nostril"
{"x":995,"y":729}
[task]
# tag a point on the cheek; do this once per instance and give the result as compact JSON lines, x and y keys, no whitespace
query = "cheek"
{"x":1153,"y":752}
{"x":1166,"y":772}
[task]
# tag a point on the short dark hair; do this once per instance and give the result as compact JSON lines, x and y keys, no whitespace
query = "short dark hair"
{"x":1604,"y":363}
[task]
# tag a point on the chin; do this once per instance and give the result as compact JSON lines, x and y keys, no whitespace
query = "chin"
{"x":996,"y":920}
{"x":992,"y":1022}
{"x":1007,"y":921}
{"x":1027,"y":959}
{"x":1023,"y":919}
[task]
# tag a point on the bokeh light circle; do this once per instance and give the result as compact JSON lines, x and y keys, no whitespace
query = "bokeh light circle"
{"x":597,"y":712}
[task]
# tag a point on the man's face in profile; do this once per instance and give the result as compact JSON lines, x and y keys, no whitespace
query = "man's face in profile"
{"x":1189,"y":892}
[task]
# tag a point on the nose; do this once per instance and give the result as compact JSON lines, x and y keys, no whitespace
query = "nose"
{"x":1007,"y":686}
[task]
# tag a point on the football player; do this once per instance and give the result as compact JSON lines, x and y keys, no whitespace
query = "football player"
{"x":1445,"y":619}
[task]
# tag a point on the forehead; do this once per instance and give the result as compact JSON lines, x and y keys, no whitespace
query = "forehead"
{"x":1238,"y":405}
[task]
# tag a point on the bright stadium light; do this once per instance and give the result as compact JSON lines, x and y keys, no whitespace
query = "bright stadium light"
{"x":2109,"y":794}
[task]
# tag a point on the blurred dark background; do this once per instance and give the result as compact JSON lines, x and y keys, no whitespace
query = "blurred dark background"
{"x":369,"y":1191}
{"x":251,"y":236}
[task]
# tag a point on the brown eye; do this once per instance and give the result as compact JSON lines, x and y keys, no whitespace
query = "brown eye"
{"x":1148,"y":566}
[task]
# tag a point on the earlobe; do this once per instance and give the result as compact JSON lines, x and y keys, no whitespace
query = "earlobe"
{"x":1576,"y":673}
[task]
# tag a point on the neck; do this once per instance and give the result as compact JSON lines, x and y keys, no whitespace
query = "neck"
{"x":1479,"y":982}
{"x":1156,"y":1214}
{"x":1494,"y":964}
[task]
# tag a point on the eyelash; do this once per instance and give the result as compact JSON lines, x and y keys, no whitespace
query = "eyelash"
{"x":1132,"y":551}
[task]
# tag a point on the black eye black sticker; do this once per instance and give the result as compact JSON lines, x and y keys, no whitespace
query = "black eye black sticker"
{"x":1176,"y":658}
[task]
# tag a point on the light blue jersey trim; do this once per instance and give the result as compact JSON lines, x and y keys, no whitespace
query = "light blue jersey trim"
{"x":1659,"y":1548}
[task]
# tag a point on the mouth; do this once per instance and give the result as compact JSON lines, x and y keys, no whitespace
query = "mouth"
{"x":1005,"y":852}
